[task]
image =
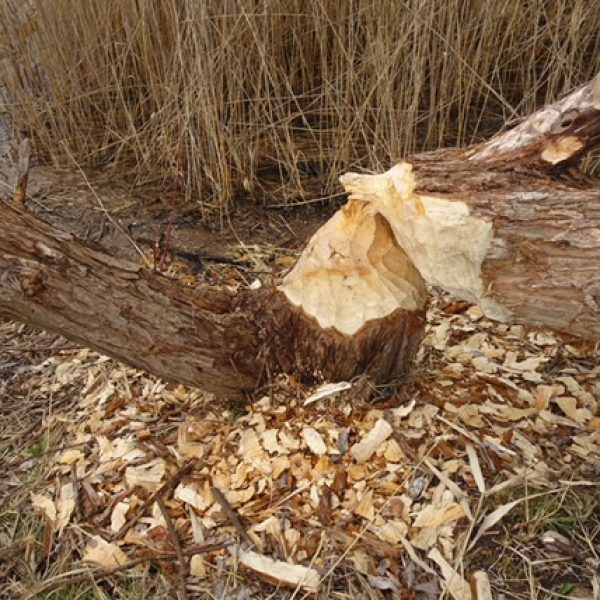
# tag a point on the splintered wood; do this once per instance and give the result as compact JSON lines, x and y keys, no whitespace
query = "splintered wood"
{"x":290,"y":494}
{"x":363,"y":451}
{"x":354,"y":271}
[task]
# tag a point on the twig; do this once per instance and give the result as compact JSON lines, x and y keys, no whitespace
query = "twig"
{"x":167,"y":488}
{"x":105,"y":515}
{"x":23,"y":165}
{"x":175,"y":540}
{"x":231,"y":515}
{"x":169,"y":235}
{"x":75,"y":481}
{"x":198,"y":549}
{"x":72,"y":579}
{"x":6,"y":348}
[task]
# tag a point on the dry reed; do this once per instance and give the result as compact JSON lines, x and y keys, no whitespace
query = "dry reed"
{"x":274,"y":98}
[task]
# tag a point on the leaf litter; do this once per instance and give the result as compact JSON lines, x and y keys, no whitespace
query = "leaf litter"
{"x":306,"y":483}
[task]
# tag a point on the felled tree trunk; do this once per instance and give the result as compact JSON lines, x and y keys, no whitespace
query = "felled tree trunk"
{"x":210,"y":337}
{"x":509,"y":224}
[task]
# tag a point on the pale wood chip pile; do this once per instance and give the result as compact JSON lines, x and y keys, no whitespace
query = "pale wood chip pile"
{"x":305,"y":481}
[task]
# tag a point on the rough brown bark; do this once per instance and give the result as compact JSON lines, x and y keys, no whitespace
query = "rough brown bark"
{"x":509,"y":224}
{"x":209,"y":337}
{"x":56,"y":282}
{"x":543,"y":265}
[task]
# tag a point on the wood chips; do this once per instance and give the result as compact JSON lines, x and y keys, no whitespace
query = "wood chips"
{"x":389,"y":488}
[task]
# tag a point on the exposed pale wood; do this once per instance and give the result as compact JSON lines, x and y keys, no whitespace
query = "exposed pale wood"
{"x":528,"y":252}
{"x":558,"y":134}
{"x":281,"y":573}
{"x":511,"y":224}
{"x":354,"y":271}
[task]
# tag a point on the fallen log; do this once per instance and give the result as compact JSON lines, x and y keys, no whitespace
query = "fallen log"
{"x":211,"y":337}
{"x":510,"y":224}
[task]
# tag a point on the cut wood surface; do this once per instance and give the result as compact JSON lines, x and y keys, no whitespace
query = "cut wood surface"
{"x":510,"y":224}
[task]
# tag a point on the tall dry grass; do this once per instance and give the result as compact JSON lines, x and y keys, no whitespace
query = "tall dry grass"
{"x":274,"y":98}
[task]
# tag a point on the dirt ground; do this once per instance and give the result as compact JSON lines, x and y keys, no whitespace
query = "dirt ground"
{"x":486,"y":480}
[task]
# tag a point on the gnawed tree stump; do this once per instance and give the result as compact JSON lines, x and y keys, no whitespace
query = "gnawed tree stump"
{"x":353,"y":304}
{"x":509,"y":224}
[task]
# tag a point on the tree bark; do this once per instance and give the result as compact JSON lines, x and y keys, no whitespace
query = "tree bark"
{"x":208,"y":337}
{"x":509,"y":224}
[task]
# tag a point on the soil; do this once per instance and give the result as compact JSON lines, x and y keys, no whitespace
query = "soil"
{"x":104,"y":209}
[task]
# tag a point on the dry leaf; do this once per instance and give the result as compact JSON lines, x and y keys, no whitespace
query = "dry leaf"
{"x":404,"y":411}
{"x":327,"y":390}
{"x":148,"y":476}
{"x":279,"y":465}
{"x":45,"y":506}
{"x":425,"y":539}
{"x":393,"y":453}
{"x":270,"y":442}
{"x":435,"y":518}
{"x":415,"y":557}
{"x":493,"y":518}
{"x":530,"y":451}
{"x":393,"y":531}
{"x":118,"y":518}
{"x":191,"y":495}
{"x":384,"y":584}
{"x":569,"y":406}
{"x":198,"y":567}
{"x":480,"y":586}
{"x":65,"y":505}
{"x":272,"y":525}
{"x":543,"y":395}
{"x":365,"y":507}
{"x":454,"y":489}
{"x":238,"y":497}
{"x":458,"y":588}
{"x":529,"y":364}
{"x":476,"y":468}
{"x":362,"y":561}
{"x":314,"y":441}
{"x":292,"y":538}
{"x":323,"y":467}
{"x":288,"y":441}
{"x":250,"y":448}
{"x":187,"y":447}
{"x":70,"y":456}
{"x":103,"y":553}
{"x":468,"y":414}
